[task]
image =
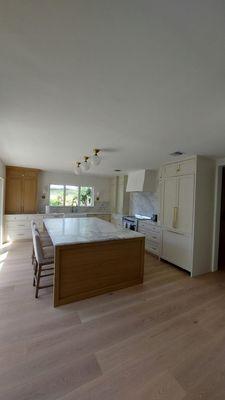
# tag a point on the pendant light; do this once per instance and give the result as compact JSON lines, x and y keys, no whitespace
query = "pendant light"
{"x":85,"y":164}
{"x":77,"y":169}
{"x":96,"y":159}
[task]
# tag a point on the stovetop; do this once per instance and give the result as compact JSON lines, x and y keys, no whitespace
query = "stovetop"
{"x":137,"y":216}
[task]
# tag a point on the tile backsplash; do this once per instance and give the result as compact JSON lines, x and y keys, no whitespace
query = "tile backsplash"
{"x":100,"y":206}
{"x":144,"y":203}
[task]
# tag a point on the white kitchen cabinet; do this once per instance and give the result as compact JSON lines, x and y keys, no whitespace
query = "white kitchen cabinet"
{"x":185,"y":204}
{"x":17,"y":227}
{"x":178,"y":204}
{"x":177,"y":249}
{"x":187,"y":200}
{"x":152,"y":236}
{"x":170,"y":202}
{"x":185,"y":167}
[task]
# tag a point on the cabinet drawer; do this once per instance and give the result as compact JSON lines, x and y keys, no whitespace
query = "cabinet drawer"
{"x":17,"y":217}
{"x":18,"y":235}
{"x":23,"y":217}
{"x":148,"y":228}
{"x":151,"y":246}
{"x":14,"y":225}
{"x":155,"y":237}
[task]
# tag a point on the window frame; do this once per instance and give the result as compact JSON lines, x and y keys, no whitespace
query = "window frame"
{"x":64,"y":195}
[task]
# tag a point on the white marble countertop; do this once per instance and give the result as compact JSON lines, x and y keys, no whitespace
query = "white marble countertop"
{"x":85,"y":230}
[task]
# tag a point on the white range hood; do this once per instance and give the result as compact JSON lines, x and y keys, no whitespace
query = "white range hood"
{"x":143,"y":180}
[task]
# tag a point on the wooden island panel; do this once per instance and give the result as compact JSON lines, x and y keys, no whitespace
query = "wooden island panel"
{"x":84,"y":270}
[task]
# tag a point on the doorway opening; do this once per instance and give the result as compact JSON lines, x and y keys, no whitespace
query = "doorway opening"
{"x":1,"y":211}
{"x":221,"y":255}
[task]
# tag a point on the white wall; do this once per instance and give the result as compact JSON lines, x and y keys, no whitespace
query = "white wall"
{"x":2,"y":169}
{"x":100,"y":184}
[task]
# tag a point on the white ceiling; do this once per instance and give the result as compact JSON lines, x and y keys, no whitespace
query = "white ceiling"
{"x":140,"y":78}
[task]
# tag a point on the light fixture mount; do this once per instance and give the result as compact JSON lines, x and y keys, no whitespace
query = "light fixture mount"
{"x":96,"y":159}
{"x":77,"y":168}
{"x":85,"y":164}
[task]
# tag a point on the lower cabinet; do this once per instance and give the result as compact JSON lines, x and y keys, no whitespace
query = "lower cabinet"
{"x":17,"y":227}
{"x":105,"y":217}
{"x":116,"y":219}
{"x":152,"y":236}
{"x":177,"y":248}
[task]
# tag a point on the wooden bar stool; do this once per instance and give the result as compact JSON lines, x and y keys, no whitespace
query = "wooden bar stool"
{"x":44,"y":262}
{"x":44,"y":237}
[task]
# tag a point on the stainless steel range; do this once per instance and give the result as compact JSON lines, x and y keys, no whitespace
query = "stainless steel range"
{"x":131,"y":221}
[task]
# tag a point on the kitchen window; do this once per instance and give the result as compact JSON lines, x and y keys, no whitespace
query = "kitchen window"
{"x":71,"y":196}
{"x":56,"y":197}
{"x":86,"y":196}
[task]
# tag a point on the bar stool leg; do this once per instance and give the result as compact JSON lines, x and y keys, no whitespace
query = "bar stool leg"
{"x":38,"y":281}
{"x":35,"y":271}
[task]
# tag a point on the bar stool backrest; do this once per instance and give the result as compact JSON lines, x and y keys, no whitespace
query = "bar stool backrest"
{"x":37,"y":247}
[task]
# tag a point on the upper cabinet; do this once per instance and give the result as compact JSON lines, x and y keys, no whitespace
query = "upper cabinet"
{"x":185,"y":167}
{"x":21,"y":190}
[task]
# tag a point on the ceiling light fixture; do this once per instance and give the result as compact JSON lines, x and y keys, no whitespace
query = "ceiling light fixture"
{"x":77,"y":168}
{"x":96,"y":159}
{"x":85,"y":164}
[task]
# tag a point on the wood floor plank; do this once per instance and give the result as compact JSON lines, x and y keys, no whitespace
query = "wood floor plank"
{"x":164,"y":339}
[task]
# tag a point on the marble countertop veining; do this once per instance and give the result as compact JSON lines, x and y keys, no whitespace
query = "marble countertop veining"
{"x":85,"y":230}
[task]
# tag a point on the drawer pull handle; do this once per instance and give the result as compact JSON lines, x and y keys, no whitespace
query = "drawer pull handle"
{"x":174,"y":222}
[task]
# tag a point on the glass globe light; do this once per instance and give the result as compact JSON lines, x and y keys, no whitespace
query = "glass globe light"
{"x":96,"y":159}
{"x":77,"y":169}
{"x":85,"y":164}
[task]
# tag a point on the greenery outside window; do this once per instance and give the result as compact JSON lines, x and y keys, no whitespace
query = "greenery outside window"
{"x":86,"y":196}
{"x":56,"y":195}
{"x":72,"y":196}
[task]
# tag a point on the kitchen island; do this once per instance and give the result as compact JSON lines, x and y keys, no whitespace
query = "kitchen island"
{"x":93,"y":257}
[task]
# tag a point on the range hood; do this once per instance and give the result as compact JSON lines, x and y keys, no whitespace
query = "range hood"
{"x":143,"y":180}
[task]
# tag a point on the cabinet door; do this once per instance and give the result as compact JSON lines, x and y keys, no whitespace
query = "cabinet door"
{"x":177,"y":249}
{"x":29,"y":194}
{"x":170,"y":202}
{"x":187,"y":167}
{"x":171,"y":170}
{"x":13,"y":203}
{"x":184,"y":221}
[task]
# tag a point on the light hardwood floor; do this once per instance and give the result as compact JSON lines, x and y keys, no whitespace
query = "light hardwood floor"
{"x":164,"y":339}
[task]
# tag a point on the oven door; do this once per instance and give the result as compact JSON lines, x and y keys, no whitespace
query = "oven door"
{"x":128,"y":224}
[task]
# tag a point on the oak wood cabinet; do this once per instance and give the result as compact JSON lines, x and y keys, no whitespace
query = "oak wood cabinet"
{"x":21,"y":190}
